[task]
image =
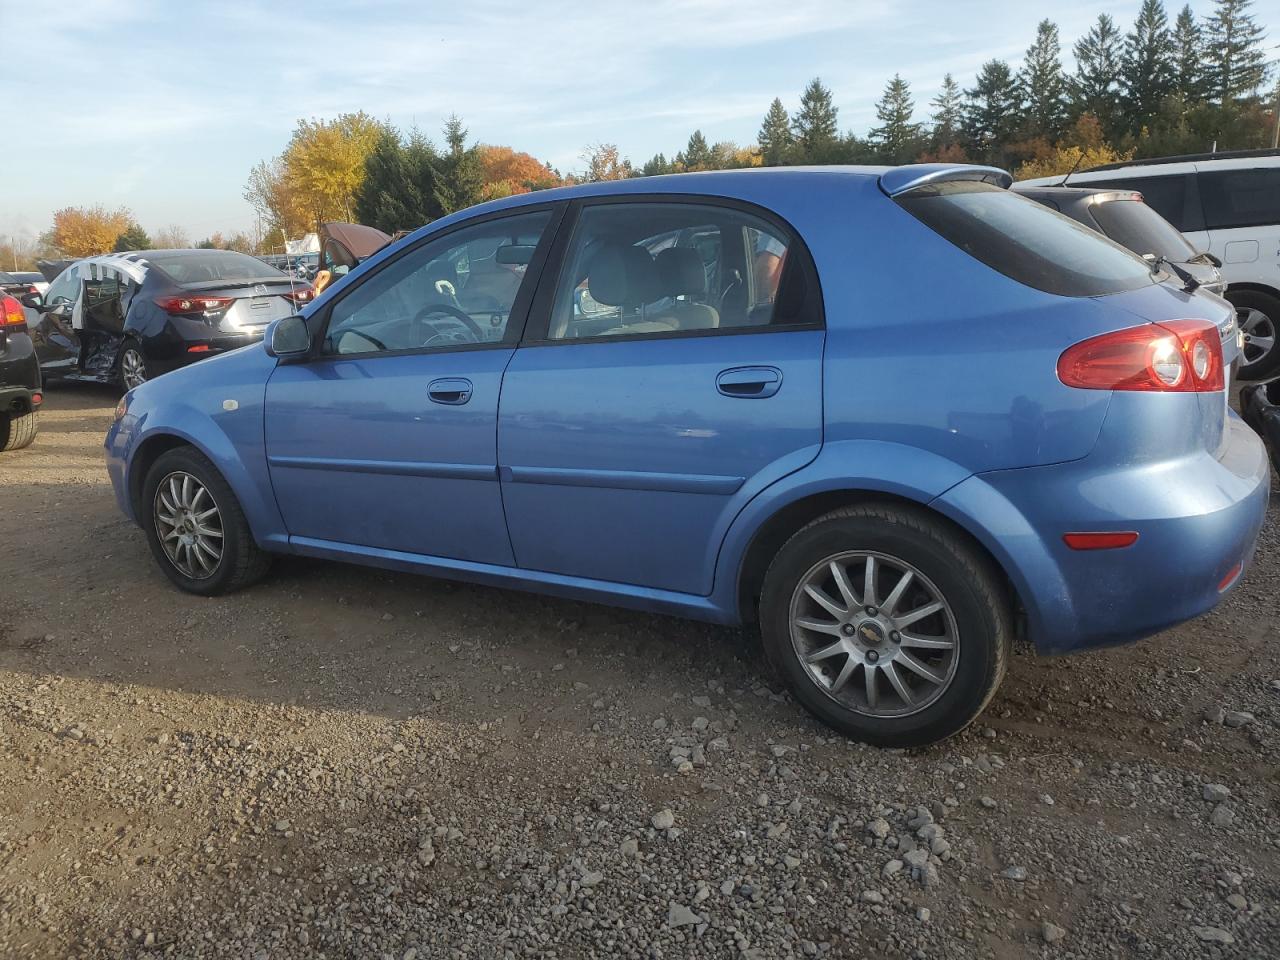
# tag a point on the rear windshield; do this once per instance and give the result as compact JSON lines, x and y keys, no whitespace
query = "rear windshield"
{"x":203,"y":266}
{"x":1025,"y":240}
{"x":1133,"y":224}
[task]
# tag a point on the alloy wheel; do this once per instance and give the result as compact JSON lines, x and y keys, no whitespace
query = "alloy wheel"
{"x":133,"y":367}
{"x":1259,"y":334}
{"x":188,"y":525}
{"x":874,"y":634}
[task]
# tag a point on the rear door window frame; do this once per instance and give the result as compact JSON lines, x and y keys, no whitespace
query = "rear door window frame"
{"x":539,"y":314}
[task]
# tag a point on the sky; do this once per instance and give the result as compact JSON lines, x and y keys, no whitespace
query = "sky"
{"x":163,"y":106}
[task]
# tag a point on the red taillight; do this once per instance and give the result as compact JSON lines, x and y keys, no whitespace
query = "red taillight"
{"x":1109,"y":540}
{"x":193,"y":304}
{"x":1178,"y":356}
{"x":37,"y":399}
{"x":198,"y":348}
{"x":11,"y":314}
{"x":300,"y":295}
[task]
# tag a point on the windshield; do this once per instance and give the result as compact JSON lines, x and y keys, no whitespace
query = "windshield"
{"x":1135,"y":225}
{"x":204,"y":266}
{"x":1025,"y":240}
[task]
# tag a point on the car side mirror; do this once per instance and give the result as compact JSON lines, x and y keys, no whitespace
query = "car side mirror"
{"x":288,"y":338}
{"x":1212,"y":259}
{"x":32,"y":300}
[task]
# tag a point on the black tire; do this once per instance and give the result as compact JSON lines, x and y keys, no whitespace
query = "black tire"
{"x":241,"y":563}
{"x":1269,"y":305}
{"x":135,"y":348}
{"x":965,"y":578}
{"x":18,"y":430}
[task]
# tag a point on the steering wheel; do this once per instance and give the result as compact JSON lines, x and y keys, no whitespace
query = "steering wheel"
{"x":456,"y":312}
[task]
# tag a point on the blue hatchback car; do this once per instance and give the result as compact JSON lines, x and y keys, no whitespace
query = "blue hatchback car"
{"x":896,"y":416}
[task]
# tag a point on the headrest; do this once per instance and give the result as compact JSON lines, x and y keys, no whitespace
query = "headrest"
{"x":621,"y":275}
{"x":681,"y":271}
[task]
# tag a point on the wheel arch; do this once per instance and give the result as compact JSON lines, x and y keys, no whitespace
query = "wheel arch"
{"x":1252,"y":287}
{"x":144,"y":457}
{"x":786,"y":520}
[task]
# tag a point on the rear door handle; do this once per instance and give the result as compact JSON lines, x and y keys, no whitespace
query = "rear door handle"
{"x":454,"y":391}
{"x":751,"y":383}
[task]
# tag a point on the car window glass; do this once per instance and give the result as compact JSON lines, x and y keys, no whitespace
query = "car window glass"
{"x":209,"y":266}
{"x":636,"y":269}
{"x":456,"y":291}
{"x":1165,"y":195}
{"x":1240,"y":198}
{"x":64,"y":286}
{"x":1025,"y":240}
{"x":1135,"y":225}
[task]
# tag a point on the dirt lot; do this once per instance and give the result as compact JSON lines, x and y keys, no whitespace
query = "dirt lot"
{"x":341,"y":762}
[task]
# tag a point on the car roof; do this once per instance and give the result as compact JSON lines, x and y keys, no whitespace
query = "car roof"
{"x":1168,"y":167}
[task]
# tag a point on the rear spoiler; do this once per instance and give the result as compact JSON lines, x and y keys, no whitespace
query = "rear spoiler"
{"x":901,"y":179}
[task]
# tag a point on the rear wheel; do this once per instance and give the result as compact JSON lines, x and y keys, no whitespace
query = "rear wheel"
{"x":886,"y":624}
{"x":1258,"y":315}
{"x":195,"y":527}
{"x":131,"y":365}
{"x":18,"y":430}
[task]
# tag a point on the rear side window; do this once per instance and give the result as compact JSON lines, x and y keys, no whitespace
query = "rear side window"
{"x":1240,"y":198}
{"x":1135,"y":225}
{"x":1026,"y":241}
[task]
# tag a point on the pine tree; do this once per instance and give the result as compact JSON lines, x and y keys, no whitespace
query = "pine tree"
{"x":993,"y":111}
{"x":948,"y":112}
{"x":775,"y":137}
{"x":1147,"y":65}
{"x":460,"y":175}
{"x":134,"y":238}
{"x":815,"y":124}
{"x":1234,"y":59}
{"x":1188,"y":57}
{"x":1093,"y":89}
{"x":896,"y":140}
{"x":1044,"y":87}
{"x":697,"y":154}
{"x":656,"y":166}
{"x":389,"y":198}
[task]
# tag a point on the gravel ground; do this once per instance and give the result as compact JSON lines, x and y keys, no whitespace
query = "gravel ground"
{"x":342,"y":762}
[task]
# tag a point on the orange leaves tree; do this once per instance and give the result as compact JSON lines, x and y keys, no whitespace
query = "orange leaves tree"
{"x":85,"y":231}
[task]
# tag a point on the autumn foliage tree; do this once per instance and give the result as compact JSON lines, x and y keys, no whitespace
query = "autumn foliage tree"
{"x":85,"y":231}
{"x":507,"y":171}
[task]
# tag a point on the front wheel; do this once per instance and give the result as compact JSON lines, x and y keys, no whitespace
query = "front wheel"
{"x":886,"y":624}
{"x":195,"y":527}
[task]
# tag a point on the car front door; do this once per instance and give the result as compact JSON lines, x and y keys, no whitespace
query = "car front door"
{"x":385,"y":440}
{"x":670,"y":373}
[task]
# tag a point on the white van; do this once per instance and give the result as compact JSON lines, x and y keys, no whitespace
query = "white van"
{"x":1227,"y":204}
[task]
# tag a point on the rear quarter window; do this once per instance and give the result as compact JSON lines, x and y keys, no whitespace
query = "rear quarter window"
{"x":1240,"y":198}
{"x":1026,"y":241}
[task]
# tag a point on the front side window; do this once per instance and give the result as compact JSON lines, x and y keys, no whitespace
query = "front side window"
{"x":458,"y":290}
{"x":1026,"y":241}
{"x":656,"y":269}
{"x":64,"y":287}
{"x":1240,"y":198}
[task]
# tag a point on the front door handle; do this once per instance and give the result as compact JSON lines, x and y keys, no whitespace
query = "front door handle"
{"x":751,"y":383}
{"x":454,"y":391}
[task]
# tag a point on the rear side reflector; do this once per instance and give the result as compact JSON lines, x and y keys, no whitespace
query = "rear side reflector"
{"x":1173,"y":356}
{"x":198,"y":348}
{"x":1231,"y":576}
{"x":1100,"y":541}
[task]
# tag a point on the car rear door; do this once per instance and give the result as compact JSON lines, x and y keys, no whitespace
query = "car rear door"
{"x":672,"y":370}
{"x":386,"y":439}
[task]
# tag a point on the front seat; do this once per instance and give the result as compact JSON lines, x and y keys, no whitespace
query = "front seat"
{"x":682,"y":274}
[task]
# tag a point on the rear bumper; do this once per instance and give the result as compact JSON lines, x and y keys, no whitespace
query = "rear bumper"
{"x":1197,"y":519}
{"x":172,"y":356}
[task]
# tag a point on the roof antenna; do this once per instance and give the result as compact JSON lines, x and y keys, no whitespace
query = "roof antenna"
{"x":1073,"y":169}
